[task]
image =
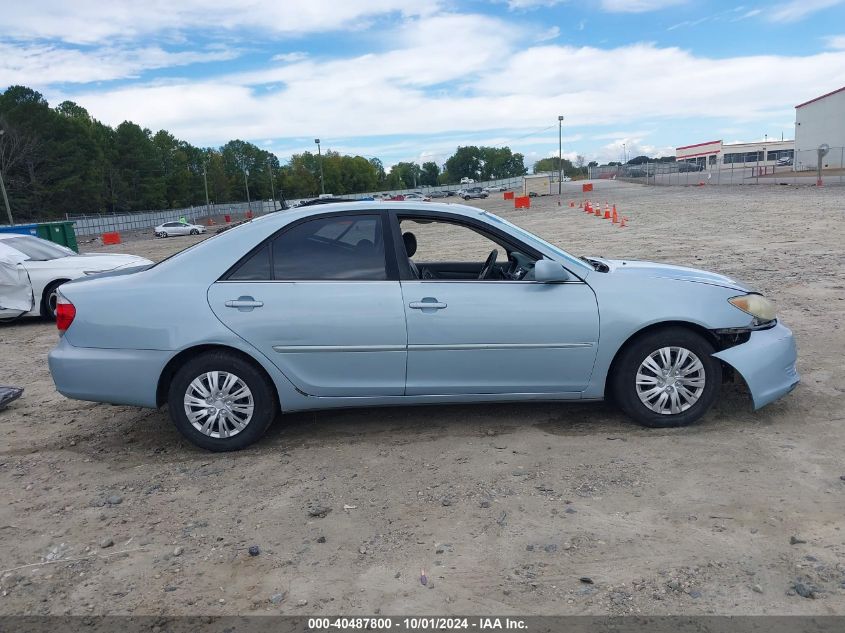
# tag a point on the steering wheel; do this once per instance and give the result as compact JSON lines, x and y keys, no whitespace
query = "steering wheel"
{"x":488,"y":265}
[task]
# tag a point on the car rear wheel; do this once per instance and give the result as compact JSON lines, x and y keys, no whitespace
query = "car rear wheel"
{"x":667,"y":378}
{"x":50,"y":298}
{"x":221,"y":402}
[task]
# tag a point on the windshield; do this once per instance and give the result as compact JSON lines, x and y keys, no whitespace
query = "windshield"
{"x":527,"y":235}
{"x":37,"y":249}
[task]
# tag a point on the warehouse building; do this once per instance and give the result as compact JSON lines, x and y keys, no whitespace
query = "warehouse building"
{"x":820,"y":121}
{"x":718,"y":155}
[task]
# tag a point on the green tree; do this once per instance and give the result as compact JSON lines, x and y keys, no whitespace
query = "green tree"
{"x":430,"y":173}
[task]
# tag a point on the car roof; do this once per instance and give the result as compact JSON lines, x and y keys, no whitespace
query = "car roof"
{"x":367,"y":205}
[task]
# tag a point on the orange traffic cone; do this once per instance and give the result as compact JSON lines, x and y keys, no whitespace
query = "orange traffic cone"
{"x":623,"y":224}
{"x":571,"y":204}
{"x":598,"y":210}
{"x":587,"y":208}
{"x":606,"y":212}
{"x":581,"y":205}
{"x":615,"y":216}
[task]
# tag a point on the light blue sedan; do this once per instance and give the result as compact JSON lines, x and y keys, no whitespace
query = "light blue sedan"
{"x":366,"y":304}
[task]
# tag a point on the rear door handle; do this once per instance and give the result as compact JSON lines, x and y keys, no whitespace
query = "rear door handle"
{"x":244,"y":304}
{"x":429,"y":303}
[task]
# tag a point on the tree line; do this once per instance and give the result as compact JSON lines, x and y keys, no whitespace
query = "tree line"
{"x":58,"y":160}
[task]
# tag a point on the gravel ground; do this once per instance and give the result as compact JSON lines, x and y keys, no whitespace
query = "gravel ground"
{"x":527,"y":509}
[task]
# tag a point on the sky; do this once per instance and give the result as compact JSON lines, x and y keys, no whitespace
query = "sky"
{"x":413,"y":79}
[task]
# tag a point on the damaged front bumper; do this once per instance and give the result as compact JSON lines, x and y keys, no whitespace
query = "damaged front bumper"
{"x":766,"y":362}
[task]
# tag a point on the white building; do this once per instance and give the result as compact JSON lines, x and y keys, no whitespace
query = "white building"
{"x":718,"y":155}
{"x":820,"y":121}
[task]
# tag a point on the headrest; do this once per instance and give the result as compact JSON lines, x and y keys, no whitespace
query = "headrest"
{"x":410,"y":243}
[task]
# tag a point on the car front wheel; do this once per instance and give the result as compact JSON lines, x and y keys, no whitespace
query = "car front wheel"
{"x":667,"y":378}
{"x":221,"y":402}
{"x":194,"y":232}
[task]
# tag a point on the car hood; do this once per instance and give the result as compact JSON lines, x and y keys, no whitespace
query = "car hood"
{"x":668,"y":271}
{"x":100,"y":262}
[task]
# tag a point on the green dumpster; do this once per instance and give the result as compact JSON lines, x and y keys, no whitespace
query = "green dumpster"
{"x":58,"y":232}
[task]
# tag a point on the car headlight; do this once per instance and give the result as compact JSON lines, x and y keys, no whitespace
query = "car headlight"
{"x":763,"y":310}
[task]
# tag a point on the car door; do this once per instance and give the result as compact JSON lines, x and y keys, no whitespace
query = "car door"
{"x":322,"y":300}
{"x":467,"y":336}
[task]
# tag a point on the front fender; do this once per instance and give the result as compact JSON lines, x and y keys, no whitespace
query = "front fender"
{"x":766,"y":362}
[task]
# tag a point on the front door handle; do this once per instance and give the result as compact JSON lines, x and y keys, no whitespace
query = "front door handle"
{"x":244,"y":304}
{"x":427,"y":303}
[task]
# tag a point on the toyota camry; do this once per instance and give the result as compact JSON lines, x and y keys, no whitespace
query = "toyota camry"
{"x":363,"y":304}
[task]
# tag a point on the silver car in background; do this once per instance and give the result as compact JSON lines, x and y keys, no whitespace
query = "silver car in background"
{"x":169,"y":229}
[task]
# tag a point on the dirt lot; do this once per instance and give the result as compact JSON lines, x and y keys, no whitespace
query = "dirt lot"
{"x":107,"y":510}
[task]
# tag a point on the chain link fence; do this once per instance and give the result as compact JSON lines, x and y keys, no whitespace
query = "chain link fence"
{"x":97,"y":223}
{"x":94,"y":224}
{"x":803,"y":170}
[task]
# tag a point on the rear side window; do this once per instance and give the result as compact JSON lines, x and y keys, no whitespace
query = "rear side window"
{"x":339,"y":248}
{"x":350,"y":248}
{"x":256,"y":268}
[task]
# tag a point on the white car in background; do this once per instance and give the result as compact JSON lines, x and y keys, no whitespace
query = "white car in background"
{"x":178,"y":228}
{"x":31,"y":269}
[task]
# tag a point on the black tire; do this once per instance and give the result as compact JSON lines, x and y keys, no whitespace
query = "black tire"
{"x":623,"y":382}
{"x":48,"y":310}
{"x":263,"y":394}
{"x":164,"y":233}
{"x":466,"y":197}
{"x":194,"y":232}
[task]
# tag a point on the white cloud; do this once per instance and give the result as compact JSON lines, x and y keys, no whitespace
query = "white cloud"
{"x":91,"y":21}
{"x":638,"y":6}
{"x":797,"y":9}
{"x":43,"y":64}
{"x":836,"y":42}
{"x":288,"y":58}
{"x":549,"y":34}
{"x":485,"y":79}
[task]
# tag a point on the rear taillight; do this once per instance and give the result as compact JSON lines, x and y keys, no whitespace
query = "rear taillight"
{"x":65,"y":312}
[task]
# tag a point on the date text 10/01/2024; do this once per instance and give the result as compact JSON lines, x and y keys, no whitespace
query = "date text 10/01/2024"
{"x":417,"y":623}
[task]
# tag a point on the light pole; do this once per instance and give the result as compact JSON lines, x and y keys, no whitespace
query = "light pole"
{"x":624,"y":154}
{"x":246,"y":187}
{"x":320,"y":162}
{"x":559,"y":154}
{"x":272,"y":188}
{"x":3,"y":189}
{"x":205,"y":180}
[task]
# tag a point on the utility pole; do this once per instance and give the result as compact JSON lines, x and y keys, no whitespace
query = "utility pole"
{"x":3,"y":189}
{"x":246,"y":187}
{"x":559,"y":154}
{"x":320,"y":162}
{"x":205,"y":180}
{"x":272,"y":188}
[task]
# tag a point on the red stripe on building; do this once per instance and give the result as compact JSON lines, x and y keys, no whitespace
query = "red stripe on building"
{"x":801,"y":105}
{"x":697,"y":145}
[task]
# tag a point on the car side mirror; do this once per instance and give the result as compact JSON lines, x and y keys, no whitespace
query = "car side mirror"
{"x":547,"y":271}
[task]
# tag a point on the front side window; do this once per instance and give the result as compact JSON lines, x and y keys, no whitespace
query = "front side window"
{"x":453,"y":251}
{"x":340,"y":248}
